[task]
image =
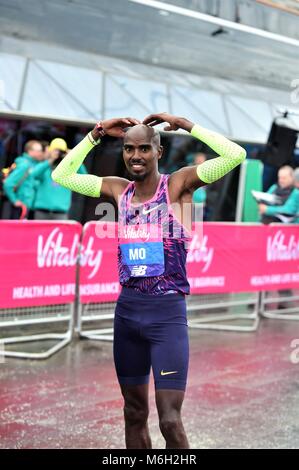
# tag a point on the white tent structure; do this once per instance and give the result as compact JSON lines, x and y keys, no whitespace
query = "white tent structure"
{"x":234,"y":82}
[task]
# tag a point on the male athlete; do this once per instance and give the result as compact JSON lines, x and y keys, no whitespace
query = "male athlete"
{"x":150,"y":323}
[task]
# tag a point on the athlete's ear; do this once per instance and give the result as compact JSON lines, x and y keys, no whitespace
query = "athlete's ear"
{"x":160,"y":152}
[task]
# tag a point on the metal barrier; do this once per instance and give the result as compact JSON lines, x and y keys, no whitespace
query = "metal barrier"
{"x":95,"y":312}
{"x":24,"y":316}
{"x":224,"y":308}
{"x":222,"y":311}
{"x":274,"y":305}
{"x":103,"y":312}
{"x":38,"y":263}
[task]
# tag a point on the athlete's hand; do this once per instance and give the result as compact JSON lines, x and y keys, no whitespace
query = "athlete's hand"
{"x":174,"y":122}
{"x":115,"y":127}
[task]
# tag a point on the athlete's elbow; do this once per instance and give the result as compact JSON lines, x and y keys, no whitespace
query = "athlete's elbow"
{"x":241,"y":155}
{"x":61,"y":180}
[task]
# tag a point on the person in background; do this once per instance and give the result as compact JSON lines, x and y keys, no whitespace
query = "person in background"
{"x":52,"y":200}
{"x":296,"y":178}
{"x":199,"y":195}
{"x":20,"y":186}
{"x":289,"y":195}
{"x":285,"y":189}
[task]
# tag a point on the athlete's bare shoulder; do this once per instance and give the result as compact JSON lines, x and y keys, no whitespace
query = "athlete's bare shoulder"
{"x":114,"y":186}
{"x":176,"y":188}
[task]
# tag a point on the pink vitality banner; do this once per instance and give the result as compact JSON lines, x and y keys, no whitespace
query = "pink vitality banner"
{"x":38,"y":262}
{"x":222,"y":258}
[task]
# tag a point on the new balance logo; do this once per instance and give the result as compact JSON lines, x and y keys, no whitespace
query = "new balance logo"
{"x":138,"y":270}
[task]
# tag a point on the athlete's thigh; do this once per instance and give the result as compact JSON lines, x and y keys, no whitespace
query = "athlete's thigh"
{"x":170,"y":355}
{"x":131,"y":353}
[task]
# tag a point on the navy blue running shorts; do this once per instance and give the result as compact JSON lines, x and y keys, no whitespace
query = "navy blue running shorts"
{"x":151,"y":331}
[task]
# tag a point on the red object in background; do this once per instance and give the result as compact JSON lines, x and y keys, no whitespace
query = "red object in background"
{"x":222,"y":258}
{"x":23,"y":211}
{"x":98,"y":263}
{"x":38,"y":261}
{"x":243,"y":258}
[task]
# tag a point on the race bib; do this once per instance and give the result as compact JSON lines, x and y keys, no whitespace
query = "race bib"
{"x":142,"y":250}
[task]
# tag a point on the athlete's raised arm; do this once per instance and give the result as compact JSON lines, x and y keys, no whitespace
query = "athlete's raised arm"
{"x":91,"y":185}
{"x":192,"y":177}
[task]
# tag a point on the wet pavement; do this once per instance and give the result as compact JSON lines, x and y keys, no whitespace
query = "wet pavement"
{"x":243,"y":392}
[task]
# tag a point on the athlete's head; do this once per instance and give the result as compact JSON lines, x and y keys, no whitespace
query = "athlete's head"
{"x":141,"y":151}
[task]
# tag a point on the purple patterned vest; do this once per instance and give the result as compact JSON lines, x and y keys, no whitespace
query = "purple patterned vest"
{"x":152,"y":243}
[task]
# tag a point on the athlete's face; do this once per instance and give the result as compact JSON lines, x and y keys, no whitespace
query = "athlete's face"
{"x":141,"y":151}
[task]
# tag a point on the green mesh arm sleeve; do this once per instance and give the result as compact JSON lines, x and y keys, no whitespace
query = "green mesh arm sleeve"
{"x":231,"y":155}
{"x":66,"y":172}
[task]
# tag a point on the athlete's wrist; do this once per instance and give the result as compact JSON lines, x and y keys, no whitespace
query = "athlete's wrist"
{"x":185,"y":124}
{"x":93,"y":138}
{"x":97,"y":133}
{"x":197,"y":131}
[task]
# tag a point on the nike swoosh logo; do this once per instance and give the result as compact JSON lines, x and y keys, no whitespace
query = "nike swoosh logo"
{"x":144,"y":211}
{"x":167,"y":373}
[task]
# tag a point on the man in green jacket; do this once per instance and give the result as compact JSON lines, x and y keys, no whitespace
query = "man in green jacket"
{"x":20,"y":186}
{"x":287,"y":210}
{"x":52,"y":201}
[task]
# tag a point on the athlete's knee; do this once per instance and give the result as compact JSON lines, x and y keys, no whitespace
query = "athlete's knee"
{"x":135,"y":415}
{"x":171,"y":425}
